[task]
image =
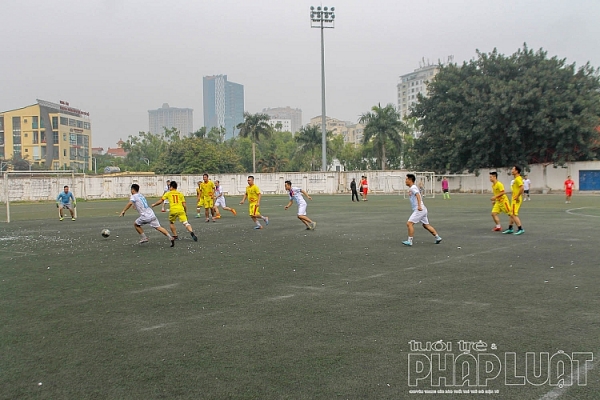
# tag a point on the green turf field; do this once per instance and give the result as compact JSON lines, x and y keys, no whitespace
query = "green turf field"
{"x":285,"y":313}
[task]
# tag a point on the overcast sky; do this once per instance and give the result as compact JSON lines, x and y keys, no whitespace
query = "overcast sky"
{"x":117,"y":59}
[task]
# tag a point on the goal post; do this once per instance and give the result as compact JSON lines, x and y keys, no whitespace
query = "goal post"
{"x":38,"y":186}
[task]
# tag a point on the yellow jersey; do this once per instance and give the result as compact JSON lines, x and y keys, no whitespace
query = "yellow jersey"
{"x":516,"y":187}
{"x":498,"y":188}
{"x":252,"y":192}
{"x":176,"y":200}
{"x":208,"y":188}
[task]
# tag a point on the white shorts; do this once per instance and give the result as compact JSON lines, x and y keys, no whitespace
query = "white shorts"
{"x":220,"y":202}
{"x":143,"y":221}
{"x":67,"y":206}
{"x":302,"y":209}
{"x":419,"y":217}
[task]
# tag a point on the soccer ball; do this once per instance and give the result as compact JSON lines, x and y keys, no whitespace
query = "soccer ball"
{"x":105,"y":233}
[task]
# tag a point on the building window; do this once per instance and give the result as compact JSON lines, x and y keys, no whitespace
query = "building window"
{"x":54,"y":122}
{"x":86,"y":125}
{"x":36,"y":137}
{"x":55,"y":137}
{"x":72,"y":123}
{"x":80,"y":124}
{"x":64,"y":121}
{"x":35,"y":122}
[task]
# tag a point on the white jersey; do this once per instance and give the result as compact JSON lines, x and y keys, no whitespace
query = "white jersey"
{"x":167,"y":188}
{"x":141,"y":205}
{"x":296,"y":194}
{"x":412,"y":195}
{"x":526,"y":184}
{"x":218,"y":191}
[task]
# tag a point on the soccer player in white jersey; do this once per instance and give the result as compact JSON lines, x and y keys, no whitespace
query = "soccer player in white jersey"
{"x":419,"y":214}
{"x":296,"y":193}
{"x":165,"y":204}
{"x":220,"y":201}
{"x":147,"y":216}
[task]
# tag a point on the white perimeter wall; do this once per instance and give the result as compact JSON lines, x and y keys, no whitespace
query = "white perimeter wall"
{"x":24,"y":187}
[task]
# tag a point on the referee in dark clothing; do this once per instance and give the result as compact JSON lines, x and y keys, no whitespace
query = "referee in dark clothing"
{"x":353,"y":188}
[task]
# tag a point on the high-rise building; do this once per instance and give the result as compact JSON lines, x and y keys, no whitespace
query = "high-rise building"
{"x":55,"y":134}
{"x":281,"y":125}
{"x":412,"y":84}
{"x":283,"y":113}
{"x":170,"y":117}
{"x":223,"y":104}
{"x":351,"y":132}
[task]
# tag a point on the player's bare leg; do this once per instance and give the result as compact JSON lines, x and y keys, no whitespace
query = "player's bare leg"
{"x":432,"y":230}
{"x":190,"y":230}
{"x":143,"y":238}
{"x":173,"y":230}
{"x":230,"y":209}
{"x":306,"y":221}
{"x":167,"y":234}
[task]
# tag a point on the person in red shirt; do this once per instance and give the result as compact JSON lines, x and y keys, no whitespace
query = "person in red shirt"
{"x":569,"y":185}
{"x":365,"y":187}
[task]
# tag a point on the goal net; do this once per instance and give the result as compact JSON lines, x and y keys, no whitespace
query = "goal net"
{"x":38,"y":186}
{"x":426,"y":182}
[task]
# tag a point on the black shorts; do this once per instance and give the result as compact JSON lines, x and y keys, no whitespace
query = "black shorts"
{"x":445,"y":190}
{"x":526,"y":191}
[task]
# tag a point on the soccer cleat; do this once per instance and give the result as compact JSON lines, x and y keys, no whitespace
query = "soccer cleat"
{"x":308,"y":228}
{"x":313,"y":225}
{"x":162,"y":210}
{"x":218,"y":217}
{"x":497,"y":229}
{"x":508,"y":231}
{"x":407,"y":243}
{"x":438,"y":240}
{"x":194,"y":236}
{"x":207,"y":220}
{"x":266,"y":220}
{"x":198,"y":216}
{"x":144,"y":240}
{"x":61,"y":218}
{"x":234,"y":212}
{"x":72,"y":219}
{"x":520,"y":232}
{"x":172,"y":242}
{"x":175,"y":237}
{"x":258,"y":227}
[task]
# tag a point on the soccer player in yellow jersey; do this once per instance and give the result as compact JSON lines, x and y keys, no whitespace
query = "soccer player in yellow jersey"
{"x":253,"y":194}
{"x":207,"y":187}
{"x":178,"y":209}
{"x":500,"y":200}
{"x":517,"y":199}
{"x":199,"y":200}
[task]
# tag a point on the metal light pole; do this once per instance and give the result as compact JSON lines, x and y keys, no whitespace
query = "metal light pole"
{"x":322,"y":17}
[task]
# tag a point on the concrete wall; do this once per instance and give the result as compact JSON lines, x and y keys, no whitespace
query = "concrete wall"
{"x":29,"y":187}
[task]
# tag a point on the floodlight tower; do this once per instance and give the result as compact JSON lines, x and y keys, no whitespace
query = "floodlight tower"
{"x":322,"y":17}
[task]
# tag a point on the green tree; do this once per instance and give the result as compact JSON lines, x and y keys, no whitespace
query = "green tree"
{"x":253,"y":127}
{"x":146,"y":146}
{"x":309,"y":139}
{"x":194,"y":155}
{"x":383,"y":127}
{"x":495,"y":111}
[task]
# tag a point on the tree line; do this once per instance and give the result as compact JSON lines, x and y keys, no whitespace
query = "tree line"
{"x":490,"y":112}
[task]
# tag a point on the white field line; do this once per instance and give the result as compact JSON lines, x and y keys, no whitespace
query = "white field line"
{"x":560,"y":390}
{"x":570,"y":211}
{"x":155,"y":288}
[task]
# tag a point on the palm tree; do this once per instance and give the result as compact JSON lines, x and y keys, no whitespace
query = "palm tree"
{"x":383,"y":125}
{"x":310,"y":139}
{"x":253,"y":127}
